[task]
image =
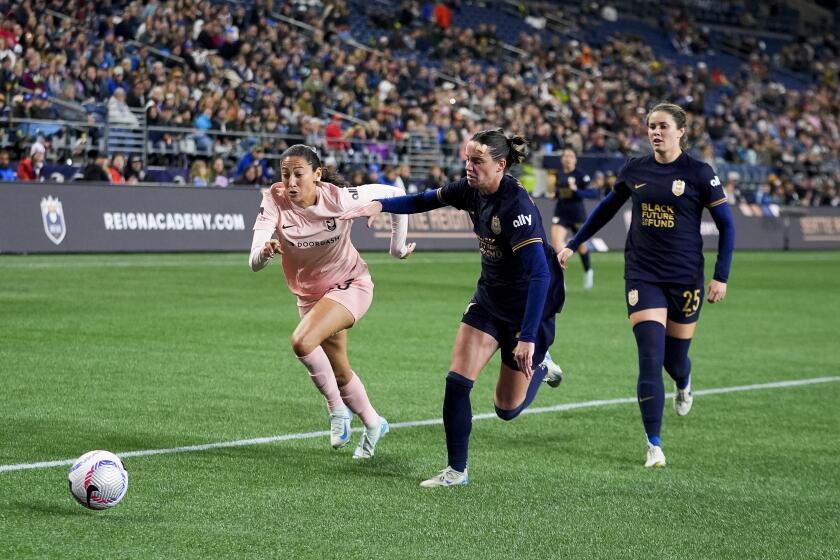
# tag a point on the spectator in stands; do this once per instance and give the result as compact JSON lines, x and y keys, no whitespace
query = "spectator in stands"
{"x":217,"y":173}
{"x":135,"y":172}
{"x":733,"y":196}
{"x":436,"y":179}
{"x":116,"y":169}
{"x":404,"y":175}
{"x":335,"y":136}
{"x":357,"y":177}
{"x":118,"y":111}
{"x":255,"y":154}
{"x":390,"y":177}
{"x":7,"y":174}
{"x":32,"y":168}
{"x":6,"y":52}
{"x":137,"y":98}
{"x":199,"y":175}
{"x":250,"y":177}
{"x":41,"y":108}
{"x":97,"y":168}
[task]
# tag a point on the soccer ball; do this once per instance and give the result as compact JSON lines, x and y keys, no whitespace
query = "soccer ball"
{"x":98,"y":480}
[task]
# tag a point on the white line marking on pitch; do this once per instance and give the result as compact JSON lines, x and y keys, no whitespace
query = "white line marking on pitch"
{"x":416,"y":423}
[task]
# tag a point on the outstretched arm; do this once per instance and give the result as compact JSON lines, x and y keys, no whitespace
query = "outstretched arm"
{"x":599,"y":217}
{"x":409,"y":204}
{"x":399,"y":223}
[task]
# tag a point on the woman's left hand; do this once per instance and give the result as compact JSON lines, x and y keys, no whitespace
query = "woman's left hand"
{"x":716,"y":291}
{"x":524,"y":355}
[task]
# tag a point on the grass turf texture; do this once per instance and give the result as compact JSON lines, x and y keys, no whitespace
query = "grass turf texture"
{"x":129,"y":352}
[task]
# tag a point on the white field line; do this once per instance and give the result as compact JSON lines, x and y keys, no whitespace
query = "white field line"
{"x":417,"y":423}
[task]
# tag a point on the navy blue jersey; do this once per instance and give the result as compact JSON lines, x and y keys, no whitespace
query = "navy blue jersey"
{"x":504,"y":222}
{"x":569,"y":194}
{"x":664,"y":242}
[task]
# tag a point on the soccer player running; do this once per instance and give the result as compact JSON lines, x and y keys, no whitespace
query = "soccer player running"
{"x":569,"y":212}
{"x":518,"y":294}
{"x":664,"y":260}
{"x":328,"y":276}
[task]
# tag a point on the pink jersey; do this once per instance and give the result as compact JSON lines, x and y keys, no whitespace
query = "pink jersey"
{"x":317,"y":252}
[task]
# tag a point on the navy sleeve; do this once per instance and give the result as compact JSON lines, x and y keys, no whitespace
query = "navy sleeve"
{"x":412,"y":203}
{"x":521,"y":222}
{"x":599,"y":217}
{"x":711,"y":189}
{"x":726,"y":243}
{"x":533,"y":261}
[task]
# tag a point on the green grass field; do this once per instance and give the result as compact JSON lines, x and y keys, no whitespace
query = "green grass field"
{"x":139,"y":352}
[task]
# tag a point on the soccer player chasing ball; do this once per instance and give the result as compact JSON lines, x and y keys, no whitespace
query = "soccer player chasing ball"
{"x":518,"y":294}
{"x":331,"y":281}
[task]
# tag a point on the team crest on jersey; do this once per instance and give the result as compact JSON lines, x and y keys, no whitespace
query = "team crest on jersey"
{"x":331,"y":225}
{"x":496,"y":225}
{"x":678,"y":187}
{"x":52,"y":214}
{"x":633,"y":297}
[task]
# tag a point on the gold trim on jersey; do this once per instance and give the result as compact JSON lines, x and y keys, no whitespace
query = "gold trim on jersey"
{"x":440,"y":196}
{"x":526,"y":242}
{"x":717,"y":203}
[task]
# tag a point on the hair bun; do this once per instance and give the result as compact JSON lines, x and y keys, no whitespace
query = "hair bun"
{"x":518,"y":149}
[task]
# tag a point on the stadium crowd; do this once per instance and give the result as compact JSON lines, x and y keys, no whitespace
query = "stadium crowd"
{"x":219,"y":74}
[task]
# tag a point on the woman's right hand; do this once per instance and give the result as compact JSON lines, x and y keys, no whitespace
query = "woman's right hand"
{"x":271,"y":248}
{"x":371,"y":209}
{"x":563,"y":256}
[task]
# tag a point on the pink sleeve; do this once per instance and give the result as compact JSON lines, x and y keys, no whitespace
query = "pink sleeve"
{"x":269,"y":215}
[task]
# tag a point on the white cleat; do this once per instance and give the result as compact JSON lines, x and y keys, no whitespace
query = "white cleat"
{"x":655,"y":457}
{"x":554,"y":375}
{"x":370,"y":437}
{"x":588,"y":279}
{"x":683,"y":400}
{"x":447,"y":477}
{"x":340,"y":427}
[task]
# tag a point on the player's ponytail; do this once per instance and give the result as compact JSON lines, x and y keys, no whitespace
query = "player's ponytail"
{"x":513,"y":149}
{"x":518,"y":150}
{"x":334,"y":177}
{"x":310,"y":155}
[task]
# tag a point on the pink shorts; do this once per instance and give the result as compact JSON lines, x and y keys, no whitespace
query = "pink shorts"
{"x":356,"y":295}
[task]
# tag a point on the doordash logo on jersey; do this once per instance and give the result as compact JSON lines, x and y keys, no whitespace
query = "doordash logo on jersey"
{"x":522,"y":220}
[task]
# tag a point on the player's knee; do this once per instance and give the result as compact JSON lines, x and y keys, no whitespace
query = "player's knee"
{"x":303,"y":345}
{"x":507,"y":414}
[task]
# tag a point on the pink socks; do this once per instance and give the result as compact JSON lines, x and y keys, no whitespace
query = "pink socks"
{"x":321,"y":373}
{"x":356,"y":399}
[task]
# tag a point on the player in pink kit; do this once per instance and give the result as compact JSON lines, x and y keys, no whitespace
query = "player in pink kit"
{"x":328,"y":276}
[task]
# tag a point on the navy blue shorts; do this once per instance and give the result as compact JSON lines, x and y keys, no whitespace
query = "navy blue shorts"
{"x":507,"y":334}
{"x":683,"y":301}
{"x":566,"y":223}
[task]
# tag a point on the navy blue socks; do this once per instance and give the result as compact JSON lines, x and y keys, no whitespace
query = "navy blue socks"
{"x":587,"y":262}
{"x":677,"y":363}
{"x":457,"y":419}
{"x":650,"y":339}
{"x":534,"y":386}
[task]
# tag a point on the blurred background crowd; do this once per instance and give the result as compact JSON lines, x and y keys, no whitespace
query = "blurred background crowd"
{"x":209,"y":93}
